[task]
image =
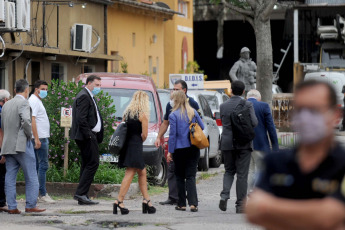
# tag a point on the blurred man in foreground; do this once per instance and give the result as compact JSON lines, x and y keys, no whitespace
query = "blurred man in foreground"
{"x":304,"y":188}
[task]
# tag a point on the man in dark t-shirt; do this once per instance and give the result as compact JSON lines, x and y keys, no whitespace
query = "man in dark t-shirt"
{"x":304,"y":188}
{"x":173,"y":196}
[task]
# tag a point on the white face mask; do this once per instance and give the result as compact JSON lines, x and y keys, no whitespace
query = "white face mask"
{"x":172,"y":103}
{"x":310,"y":125}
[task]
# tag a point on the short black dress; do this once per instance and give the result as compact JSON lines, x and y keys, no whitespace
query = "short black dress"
{"x":131,"y":155}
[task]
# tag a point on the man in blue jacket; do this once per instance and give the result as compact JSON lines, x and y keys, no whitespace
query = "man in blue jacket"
{"x":264,"y":130}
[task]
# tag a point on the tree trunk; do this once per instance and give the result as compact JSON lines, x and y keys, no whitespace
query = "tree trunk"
{"x":264,"y":59}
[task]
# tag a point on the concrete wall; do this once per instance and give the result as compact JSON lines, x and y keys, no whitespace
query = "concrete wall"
{"x":174,"y":37}
{"x":130,"y":35}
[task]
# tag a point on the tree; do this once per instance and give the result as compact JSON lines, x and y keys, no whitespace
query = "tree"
{"x":257,"y":13}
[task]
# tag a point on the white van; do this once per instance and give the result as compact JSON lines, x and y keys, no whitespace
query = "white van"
{"x":336,"y":79}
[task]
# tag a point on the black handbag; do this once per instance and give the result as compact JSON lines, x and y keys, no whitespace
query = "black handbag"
{"x":118,"y":139}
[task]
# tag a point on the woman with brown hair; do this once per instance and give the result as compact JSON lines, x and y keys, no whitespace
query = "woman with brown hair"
{"x":136,"y":116}
{"x":185,"y":155}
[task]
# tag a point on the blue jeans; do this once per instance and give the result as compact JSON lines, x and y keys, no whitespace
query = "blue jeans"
{"x":27,"y":162}
{"x":42,"y":164}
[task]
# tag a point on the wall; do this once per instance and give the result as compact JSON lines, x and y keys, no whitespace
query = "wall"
{"x":174,"y":38}
{"x":31,"y":48}
{"x":122,"y":24}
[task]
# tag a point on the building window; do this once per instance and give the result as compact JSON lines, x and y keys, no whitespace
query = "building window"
{"x":150,"y":66}
{"x":183,"y":8}
{"x":89,"y":69}
{"x":2,"y":75}
{"x":58,"y":72}
{"x":115,"y":65}
{"x":133,"y":39}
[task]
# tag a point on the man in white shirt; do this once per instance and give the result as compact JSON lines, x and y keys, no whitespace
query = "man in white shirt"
{"x":41,"y":134}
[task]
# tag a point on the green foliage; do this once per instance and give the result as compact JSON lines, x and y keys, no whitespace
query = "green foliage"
{"x":146,"y":73}
{"x":62,"y":94}
{"x":124,"y":67}
{"x":106,"y":174}
{"x":192,"y":67}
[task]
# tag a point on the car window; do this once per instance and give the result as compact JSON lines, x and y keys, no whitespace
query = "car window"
{"x":164,"y":97}
{"x":225,"y":98}
{"x":122,"y":98}
{"x":212,"y":101}
{"x":205,"y":107}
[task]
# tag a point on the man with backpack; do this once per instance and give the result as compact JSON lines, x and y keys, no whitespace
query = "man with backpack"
{"x":239,"y":120}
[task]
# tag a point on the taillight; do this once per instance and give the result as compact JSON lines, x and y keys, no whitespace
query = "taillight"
{"x":219,"y":122}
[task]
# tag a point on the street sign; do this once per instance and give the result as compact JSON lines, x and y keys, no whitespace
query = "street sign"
{"x":194,"y":81}
{"x":66,"y":117}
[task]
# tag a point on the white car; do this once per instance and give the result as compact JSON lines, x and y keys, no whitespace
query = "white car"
{"x":214,"y":99}
{"x":210,"y":156}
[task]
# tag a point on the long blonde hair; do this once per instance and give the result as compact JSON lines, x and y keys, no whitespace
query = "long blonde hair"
{"x":139,"y":105}
{"x":181,"y":102}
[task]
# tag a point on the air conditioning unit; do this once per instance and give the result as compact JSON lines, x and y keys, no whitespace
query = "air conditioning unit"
{"x":23,"y":15}
{"x":10,"y":15}
{"x":2,"y":10}
{"x":82,"y":37}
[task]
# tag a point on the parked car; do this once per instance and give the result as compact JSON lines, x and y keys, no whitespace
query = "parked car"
{"x":214,"y":99}
{"x":121,"y":88}
{"x":210,"y":156}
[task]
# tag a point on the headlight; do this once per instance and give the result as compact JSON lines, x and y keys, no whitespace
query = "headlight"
{"x":151,"y":138}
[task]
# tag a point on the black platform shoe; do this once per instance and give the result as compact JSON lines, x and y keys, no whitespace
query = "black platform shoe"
{"x":124,"y":211}
{"x":148,"y":209}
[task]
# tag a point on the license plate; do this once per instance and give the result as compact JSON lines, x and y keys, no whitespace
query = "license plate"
{"x":109,"y":158}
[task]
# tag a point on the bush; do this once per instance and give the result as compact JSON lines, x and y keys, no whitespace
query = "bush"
{"x":106,"y":174}
{"x":62,"y":94}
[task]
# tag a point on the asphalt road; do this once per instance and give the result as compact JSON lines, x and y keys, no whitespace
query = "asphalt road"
{"x":66,"y":214}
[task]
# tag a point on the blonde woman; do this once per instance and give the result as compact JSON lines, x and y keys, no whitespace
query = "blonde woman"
{"x":136,"y":116}
{"x":185,"y":155}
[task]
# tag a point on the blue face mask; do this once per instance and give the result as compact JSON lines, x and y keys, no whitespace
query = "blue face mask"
{"x":43,"y":94}
{"x":96,"y":90}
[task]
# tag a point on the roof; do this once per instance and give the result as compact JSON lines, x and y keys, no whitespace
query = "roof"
{"x":105,"y":2}
{"x":154,"y":7}
{"x":324,"y":2}
{"x":122,"y":80}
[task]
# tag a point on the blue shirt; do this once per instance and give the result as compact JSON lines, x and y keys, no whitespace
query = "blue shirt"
{"x":191,"y":101}
{"x":179,"y":136}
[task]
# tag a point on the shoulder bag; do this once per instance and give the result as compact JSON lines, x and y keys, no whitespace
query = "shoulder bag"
{"x":118,"y":139}
{"x":197,"y":136}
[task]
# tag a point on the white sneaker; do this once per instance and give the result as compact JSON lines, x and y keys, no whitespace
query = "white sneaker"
{"x":46,"y":199}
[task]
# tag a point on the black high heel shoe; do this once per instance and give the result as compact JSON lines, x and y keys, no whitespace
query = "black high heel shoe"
{"x":148,"y":209}
{"x":124,"y":211}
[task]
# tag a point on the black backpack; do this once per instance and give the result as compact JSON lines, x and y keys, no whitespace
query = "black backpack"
{"x":241,"y":122}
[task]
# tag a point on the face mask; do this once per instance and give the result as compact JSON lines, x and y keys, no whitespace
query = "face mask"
{"x":96,"y":90}
{"x":311,"y":126}
{"x":43,"y":94}
{"x":172,"y":103}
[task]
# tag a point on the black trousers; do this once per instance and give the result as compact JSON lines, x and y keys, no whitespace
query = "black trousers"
{"x":89,"y":164}
{"x":173,"y":192}
{"x":186,"y":162}
{"x":236,"y":162}
{"x":2,"y":185}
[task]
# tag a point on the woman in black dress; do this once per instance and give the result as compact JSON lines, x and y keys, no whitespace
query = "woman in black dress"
{"x":136,"y":116}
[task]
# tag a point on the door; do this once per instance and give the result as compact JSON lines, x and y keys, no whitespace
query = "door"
{"x":213,"y":131}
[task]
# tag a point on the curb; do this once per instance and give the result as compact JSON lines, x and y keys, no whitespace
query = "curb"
{"x":96,"y":190}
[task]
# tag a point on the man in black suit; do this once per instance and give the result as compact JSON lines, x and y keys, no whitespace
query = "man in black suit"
{"x":87,"y":131}
{"x":236,"y":155}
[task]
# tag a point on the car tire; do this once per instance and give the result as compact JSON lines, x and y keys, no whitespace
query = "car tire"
{"x":203,"y":163}
{"x":162,"y":176}
{"x":216,"y":161}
